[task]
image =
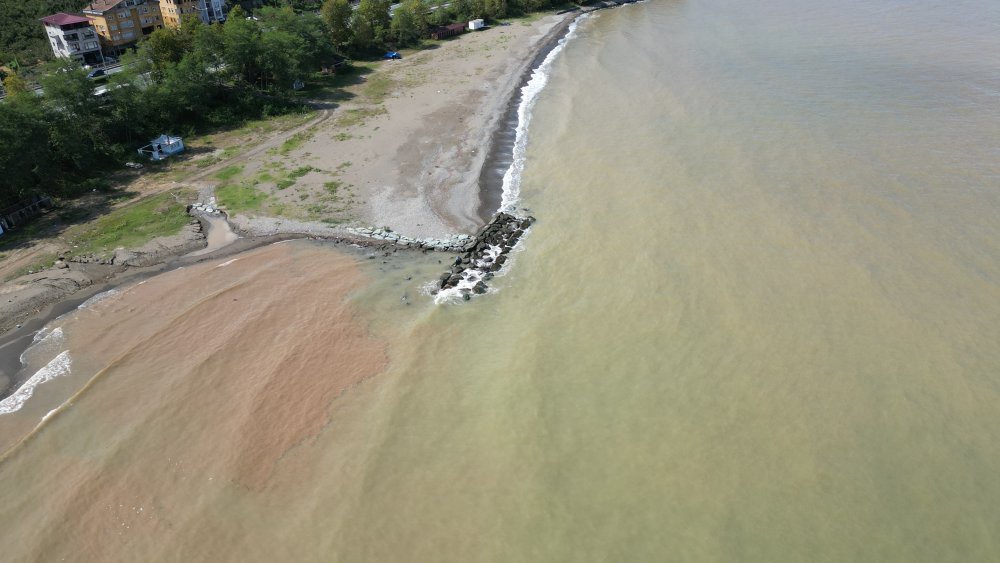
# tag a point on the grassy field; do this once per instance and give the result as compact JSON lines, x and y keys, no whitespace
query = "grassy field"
{"x":132,"y":226}
{"x":240,"y":198}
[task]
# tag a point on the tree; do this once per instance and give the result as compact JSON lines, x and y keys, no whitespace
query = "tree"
{"x":409,"y":23}
{"x":496,"y":9}
{"x":242,"y":44}
{"x":15,"y":85}
{"x":67,"y":89}
{"x":163,"y":48}
{"x":370,"y":24}
{"x":336,"y":15}
{"x":24,"y":147}
{"x":295,"y":45}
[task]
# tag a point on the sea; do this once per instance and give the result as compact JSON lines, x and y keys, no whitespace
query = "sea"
{"x":757,"y":319}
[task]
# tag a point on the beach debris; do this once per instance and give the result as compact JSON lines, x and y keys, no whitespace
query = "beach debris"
{"x":484,"y":255}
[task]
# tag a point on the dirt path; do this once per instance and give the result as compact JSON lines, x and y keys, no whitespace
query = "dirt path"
{"x":273,"y":142}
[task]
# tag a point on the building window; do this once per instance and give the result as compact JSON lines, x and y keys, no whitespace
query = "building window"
{"x":129,"y":34}
{"x":114,"y":27}
{"x":128,"y":23}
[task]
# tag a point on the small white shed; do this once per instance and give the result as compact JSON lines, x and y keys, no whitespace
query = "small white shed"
{"x":476,"y":25}
{"x":162,"y":147}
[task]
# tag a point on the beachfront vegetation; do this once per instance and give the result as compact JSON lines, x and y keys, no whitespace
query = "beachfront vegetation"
{"x":240,"y":198}
{"x":197,"y":77}
{"x":164,"y":214}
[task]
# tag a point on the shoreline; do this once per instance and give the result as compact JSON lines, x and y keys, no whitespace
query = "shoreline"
{"x":257,"y":232}
{"x":500,"y":152}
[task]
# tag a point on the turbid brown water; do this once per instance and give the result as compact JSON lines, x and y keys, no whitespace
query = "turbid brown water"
{"x":758,"y":320}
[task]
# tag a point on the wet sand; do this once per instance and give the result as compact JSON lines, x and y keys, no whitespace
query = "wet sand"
{"x":203,"y":374}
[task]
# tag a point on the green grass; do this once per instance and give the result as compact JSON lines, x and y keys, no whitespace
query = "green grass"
{"x":240,"y":198}
{"x":377,"y":86}
{"x":332,"y":186}
{"x":207,"y":161}
{"x":229,"y":172}
{"x":353,"y":117}
{"x":134,"y":225}
{"x":286,"y":183}
{"x":300,"y":172}
{"x":295,"y":141}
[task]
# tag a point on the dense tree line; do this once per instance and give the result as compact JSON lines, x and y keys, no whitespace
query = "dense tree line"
{"x":179,"y":80}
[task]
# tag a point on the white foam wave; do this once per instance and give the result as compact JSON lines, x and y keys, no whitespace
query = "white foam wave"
{"x":99,"y":297}
{"x":224,"y":264}
{"x":48,"y":335}
{"x":58,"y":367}
{"x":529,"y":95}
{"x":44,"y":339}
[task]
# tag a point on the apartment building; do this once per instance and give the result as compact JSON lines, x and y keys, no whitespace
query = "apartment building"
{"x":73,"y":36}
{"x":208,"y":11}
{"x":120,"y":23}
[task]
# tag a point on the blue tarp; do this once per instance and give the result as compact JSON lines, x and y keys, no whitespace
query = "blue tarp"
{"x":392,"y":55}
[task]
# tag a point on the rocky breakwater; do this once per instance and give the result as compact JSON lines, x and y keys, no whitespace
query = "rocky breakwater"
{"x":484,"y":256}
{"x":455,"y":243}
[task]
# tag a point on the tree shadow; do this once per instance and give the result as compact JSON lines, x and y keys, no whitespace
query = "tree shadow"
{"x":62,"y":215}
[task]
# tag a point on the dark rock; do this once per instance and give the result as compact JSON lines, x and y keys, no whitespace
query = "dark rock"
{"x":480,"y":288}
{"x":466,"y":297}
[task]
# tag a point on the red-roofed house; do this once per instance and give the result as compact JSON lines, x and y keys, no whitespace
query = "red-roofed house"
{"x":73,"y":36}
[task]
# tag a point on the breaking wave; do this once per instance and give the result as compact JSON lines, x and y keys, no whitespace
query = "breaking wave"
{"x":529,"y":95}
{"x":58,"y":367}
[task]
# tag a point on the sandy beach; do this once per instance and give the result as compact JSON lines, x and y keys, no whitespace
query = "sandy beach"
{"x":411,"y":162}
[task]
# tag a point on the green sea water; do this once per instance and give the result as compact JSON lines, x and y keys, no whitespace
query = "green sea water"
{"x":758,"y":319}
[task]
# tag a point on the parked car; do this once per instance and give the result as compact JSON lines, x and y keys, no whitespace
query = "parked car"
{"x":95,"y":73}
{"x":392,"y":55}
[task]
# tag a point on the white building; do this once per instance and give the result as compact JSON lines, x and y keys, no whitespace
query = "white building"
{"x":73,"y":37}
{"x":213,"y":11}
